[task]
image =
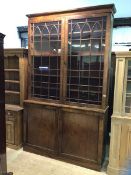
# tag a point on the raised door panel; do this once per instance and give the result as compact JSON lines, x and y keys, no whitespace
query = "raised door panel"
{"x":42,"y":127}
{"x":79,"y":137}
{"x":10,"y":137}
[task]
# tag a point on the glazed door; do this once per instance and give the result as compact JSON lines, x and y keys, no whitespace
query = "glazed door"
{"x":85,"y":60}
{"x":46,"y":60}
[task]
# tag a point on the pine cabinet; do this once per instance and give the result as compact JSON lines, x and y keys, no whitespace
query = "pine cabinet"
{"x":69,"y":62}
{"x":120,"y":142}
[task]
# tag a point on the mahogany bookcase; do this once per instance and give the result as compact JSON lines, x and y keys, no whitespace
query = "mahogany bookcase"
{"x":69,"y":61}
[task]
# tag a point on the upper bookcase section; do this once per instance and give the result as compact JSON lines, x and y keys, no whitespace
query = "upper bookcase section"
{"x":69,"y":54}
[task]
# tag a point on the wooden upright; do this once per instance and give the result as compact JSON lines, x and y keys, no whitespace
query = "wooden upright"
{"x":3,"y":168}
{"x":67,"y":106}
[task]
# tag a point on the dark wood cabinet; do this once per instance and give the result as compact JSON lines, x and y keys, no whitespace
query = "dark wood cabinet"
{"x":3,"y":166}
{"x":15,"y":66}
{"x":69,"y":62}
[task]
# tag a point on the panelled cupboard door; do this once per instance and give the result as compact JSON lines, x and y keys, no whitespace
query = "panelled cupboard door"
{"x":78,"y":136}
{"x":45,"y":119}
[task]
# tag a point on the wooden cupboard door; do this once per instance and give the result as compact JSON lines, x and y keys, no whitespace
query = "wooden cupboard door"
{"x":79,"y":137}
{"x":41,"y":127}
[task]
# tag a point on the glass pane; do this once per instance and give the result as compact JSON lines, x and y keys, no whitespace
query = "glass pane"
{"x":85,"y":62}
{"x":53,"y":30}
{"x":37,"y":90}
{"x":44,"y":92}
{"x":73,"y":94}
{"x":93,"y":97}
{"x":128,"y":104}
{"x":37,"y":39}
{"x":128,"y":89}
{"x":85,"y":45}
{"x":129,"y":63}
{"x":98,"y":35}
{"x":53,"y":62}
{"x":76,"y":46}
{"x":75,"y":32}
{"x":45,"y":30}
{"x":45,"y":62}
{"x":73,"y":62}
{"x":54,"y":72}
{"x":45,"y":45}
{"x":45,"y":79}
{"x":129,"y":73}
{"x":84,"y":95}
{"x":95,"y":62}
{"x":37,"y":31}
{"x":95,"y":88}
{"x":95,"y":45}
{"x":86,"y":28}
{"x":54,"y":37}
{"x":37,"y":46}
{"x":96,"y":27}
{"x":73,"y":81}
{"x":37,"y":62}
{"x":55,"y":46}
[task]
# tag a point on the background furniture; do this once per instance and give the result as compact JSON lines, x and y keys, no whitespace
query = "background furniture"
{"x":3,"y":165}
{"x":15,"y":92}
{"x":67,"y":106}
{"x":120,"y":144}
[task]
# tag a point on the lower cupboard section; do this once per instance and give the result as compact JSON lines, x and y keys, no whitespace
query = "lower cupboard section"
{"x":73,"y":135}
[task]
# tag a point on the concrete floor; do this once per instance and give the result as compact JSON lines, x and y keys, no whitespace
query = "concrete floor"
{"x":23,"y":163}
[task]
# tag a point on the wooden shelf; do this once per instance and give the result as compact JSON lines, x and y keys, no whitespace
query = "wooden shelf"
{"x":13,"y":107}
{"x":12,"y":81}
{"x":86,"y":53}
{"x":86,"y":77}
{"x":87,"y":91}
{"x":12,"y":92}
{"x":12,"y":70}
{"x":93,"y":70}
{"x":46,"y":53}
{"x":45,"y":75}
